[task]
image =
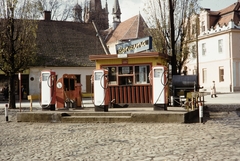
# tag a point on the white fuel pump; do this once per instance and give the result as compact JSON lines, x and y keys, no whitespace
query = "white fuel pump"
{"x":158,"y":79}
{"x":48,"y":89}
{"x":101,"y":94}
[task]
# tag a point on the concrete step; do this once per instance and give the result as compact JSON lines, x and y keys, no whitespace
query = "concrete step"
{"x":87,"y":103}
{"x":218,"y":114}
{"x":96,"y":114}
{"x":173,"y":115}
{"x":95,"y":119}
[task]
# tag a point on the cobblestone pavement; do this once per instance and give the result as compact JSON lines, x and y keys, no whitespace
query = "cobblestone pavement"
{"x":216,"y":139}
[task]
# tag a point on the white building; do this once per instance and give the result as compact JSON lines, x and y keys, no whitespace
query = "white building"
{"x":218,"y":49}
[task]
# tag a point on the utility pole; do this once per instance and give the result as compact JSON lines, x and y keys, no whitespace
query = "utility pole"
{"x":197,"y":31}
{"x":172,"y":30}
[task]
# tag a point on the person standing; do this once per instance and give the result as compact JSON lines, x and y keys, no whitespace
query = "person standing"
{"x":213,"y":90}
{"x":5,"y":92}
{"x":22,"y":91}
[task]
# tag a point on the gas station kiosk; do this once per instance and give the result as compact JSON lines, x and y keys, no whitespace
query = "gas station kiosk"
{"x":128,"y":80}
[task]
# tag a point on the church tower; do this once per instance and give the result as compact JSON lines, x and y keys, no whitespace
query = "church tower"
{"x":95,"y":12}
{"x":116,"y":12}
{"x":77,"y":13}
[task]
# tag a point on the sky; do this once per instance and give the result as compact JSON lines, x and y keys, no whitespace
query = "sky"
{"x":130,"y":8}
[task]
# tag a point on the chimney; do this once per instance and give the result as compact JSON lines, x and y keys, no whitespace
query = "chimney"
{"x":47,"y":15}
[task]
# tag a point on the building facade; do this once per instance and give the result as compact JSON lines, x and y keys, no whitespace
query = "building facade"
{"x":217,"y":49}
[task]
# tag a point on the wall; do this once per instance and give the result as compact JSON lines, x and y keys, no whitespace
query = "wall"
{"x":212,"y":60}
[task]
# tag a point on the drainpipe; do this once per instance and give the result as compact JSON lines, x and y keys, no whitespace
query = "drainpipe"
{"x":231,"y":64}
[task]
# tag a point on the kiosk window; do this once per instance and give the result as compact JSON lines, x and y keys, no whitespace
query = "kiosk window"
{"x":128,"y":75}
{"x":126,"y":80}
{"x":126,"y":70}
{"x":112,"y":75}
{"x":141,"y":74}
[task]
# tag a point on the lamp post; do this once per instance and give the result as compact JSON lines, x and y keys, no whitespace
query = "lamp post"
{"x":20,"y":90}
{"x":197,"y":56}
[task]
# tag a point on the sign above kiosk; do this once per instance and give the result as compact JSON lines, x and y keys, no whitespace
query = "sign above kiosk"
{"x":134,"y":46}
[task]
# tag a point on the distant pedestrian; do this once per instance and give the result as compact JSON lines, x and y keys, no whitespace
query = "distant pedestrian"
{"x":213,"y":90}
{"x":22,"y":91}
{"x":5,"y":92}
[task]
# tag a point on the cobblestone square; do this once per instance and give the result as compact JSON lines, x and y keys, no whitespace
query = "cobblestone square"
{"x":216,"y":139}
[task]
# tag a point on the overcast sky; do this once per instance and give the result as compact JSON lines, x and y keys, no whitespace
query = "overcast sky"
{"x":131,"y":8}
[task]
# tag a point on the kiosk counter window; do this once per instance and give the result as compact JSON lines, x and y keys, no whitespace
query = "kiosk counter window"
{"x":128,"y":75}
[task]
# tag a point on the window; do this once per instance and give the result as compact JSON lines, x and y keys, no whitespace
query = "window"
{"x":204,"y":74}
{"x":112,"y":75}
{"x":141,"y":74}
{"x":221,"y":74}
{"x":203,"y":26}
{"x":78,"y":78}
{"x":220,"y":45}
{"x":125,"y":70}
{"x":194,"y":72}
{"x":193,"y":29}
{"x":128,"y":75}
{"x":125,"y":75}
{"x":203,"y":49}
{"x":194,"y":51}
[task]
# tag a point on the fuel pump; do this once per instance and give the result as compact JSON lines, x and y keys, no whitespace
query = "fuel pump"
{"x":48,"y":89}
{"x":101,"y":90}
{"x":158,"y":80}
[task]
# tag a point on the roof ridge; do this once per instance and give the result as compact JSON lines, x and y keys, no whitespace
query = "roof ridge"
{"x":225,"y":11}
{"x":138,"y":25}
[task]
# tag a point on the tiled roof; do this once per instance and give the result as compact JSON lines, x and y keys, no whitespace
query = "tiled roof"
{"x":225,"y":19}
{"x":132,"y":28}
{"x":224,"y":16}
{"x":231,"y":8}
{"x":66,"y":44}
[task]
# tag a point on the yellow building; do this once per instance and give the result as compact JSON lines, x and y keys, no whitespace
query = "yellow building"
{"x":128,"y":75}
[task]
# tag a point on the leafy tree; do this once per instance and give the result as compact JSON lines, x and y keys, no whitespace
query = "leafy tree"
{"x":169,"y":24}
{"x":17,"y":40}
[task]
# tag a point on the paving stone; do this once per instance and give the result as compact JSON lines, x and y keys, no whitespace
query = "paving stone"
{"x":216,"y":139}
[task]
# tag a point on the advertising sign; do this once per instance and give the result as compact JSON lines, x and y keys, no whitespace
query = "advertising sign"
{"x":134,"y":46}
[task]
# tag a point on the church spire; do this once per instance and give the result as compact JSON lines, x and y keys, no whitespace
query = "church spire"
{"x":116,"y":12}
{"x":97,"y":14}
{"x":77,"y":13}
{"x":106,"y":7}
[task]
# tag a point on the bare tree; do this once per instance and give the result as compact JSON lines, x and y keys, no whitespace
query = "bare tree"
{"x":17,"y":41}
{"x":60,"y":10}
{"x":169,"y":22}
